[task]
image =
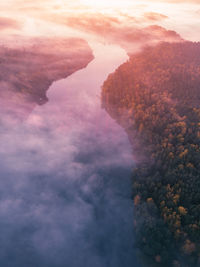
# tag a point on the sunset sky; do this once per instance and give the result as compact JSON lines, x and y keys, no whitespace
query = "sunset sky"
{"x":40,"y":17}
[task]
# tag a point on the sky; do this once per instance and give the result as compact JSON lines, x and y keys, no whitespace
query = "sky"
{"x":32,"y":17}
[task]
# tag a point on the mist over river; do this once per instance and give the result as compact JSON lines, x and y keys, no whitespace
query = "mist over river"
{"x":65,"y":187}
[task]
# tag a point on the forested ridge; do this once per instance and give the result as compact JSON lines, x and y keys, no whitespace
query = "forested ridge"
{"x":155,"y":96}
{"x":28,"y":68}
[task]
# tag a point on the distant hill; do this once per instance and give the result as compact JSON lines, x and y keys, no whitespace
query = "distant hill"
{"x":155,"y":96}
{"x":28,"y":66}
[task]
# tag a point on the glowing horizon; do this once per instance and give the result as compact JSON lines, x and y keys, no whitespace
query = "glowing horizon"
{"x":37,"y":18}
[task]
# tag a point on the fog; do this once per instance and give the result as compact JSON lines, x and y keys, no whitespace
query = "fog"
{"x":65,"y":178}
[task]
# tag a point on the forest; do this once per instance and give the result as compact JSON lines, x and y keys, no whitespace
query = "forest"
{"x":155,"y":96}
{"x":28,"y":68}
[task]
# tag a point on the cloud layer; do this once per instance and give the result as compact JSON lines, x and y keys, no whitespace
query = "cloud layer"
{"x":65,"y":179}
{"x":8,"y":23}
{"x":122,"y":31}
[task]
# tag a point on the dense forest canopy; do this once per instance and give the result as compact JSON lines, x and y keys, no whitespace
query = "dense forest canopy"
{"x":156,"y":97}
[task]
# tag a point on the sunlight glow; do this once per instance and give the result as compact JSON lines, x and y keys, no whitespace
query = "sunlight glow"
{"x":106,"y":3}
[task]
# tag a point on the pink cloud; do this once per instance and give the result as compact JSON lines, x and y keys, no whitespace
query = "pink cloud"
{"x":8,"y":23}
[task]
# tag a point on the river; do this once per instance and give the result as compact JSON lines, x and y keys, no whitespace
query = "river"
{"x":69,"y":187}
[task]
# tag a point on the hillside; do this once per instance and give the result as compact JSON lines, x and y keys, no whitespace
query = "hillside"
{"x":155,"y":96}
{"x":29,"y":66}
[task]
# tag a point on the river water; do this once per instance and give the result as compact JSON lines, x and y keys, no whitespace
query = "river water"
{"x":67,"y":196}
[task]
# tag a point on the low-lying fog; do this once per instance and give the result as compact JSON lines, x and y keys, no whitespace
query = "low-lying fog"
{"x":65,"y":178}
